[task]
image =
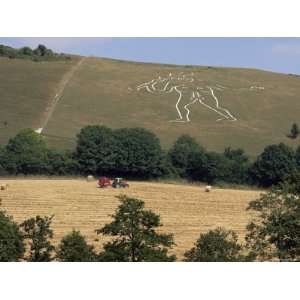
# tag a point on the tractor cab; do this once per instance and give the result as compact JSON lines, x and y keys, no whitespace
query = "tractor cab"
{"x":119,"y":182}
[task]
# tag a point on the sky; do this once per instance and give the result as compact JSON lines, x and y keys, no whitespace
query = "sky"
{"x":273,"y":54}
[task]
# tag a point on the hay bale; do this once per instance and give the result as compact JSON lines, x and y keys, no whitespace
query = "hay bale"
{"x":90,"y":178}
{"x":208,"y":188}
{"x":3,"y":187}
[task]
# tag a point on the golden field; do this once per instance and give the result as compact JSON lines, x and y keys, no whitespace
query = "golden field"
{"x":185,"y":210}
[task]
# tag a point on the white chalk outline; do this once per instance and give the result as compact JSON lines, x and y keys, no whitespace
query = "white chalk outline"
{"x":150,"y":87}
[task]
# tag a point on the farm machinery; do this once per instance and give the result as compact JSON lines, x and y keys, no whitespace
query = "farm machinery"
{"x":116,"y":183}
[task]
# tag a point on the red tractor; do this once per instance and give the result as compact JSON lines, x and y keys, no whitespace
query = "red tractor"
{"x":104,"y":182}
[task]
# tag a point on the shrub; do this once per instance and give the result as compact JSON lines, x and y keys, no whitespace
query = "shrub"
{"x":74,"y":248}
{"x":218,"y":245}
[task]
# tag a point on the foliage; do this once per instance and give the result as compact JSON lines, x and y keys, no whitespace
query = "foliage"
{"x":238,"y":166}
{"x":216,"y":168}
{"x":11,"y":239}
{"x":218,"y":245}
{"x":38,"y":233}
{"x":193,"y":162}
{"x":294,"y":133}
{"x":41,"y":53}
{"x":74,"y":248}
{"x":26,"y":153}
{"x":61,"y":163}
{"x":139,"y":153}
{"x":274,"y":233}
{"x":292,"y":183}
{"x":274,"y":165}
{"x":96,"y":150}
{"x":133,"y":152}
{"x":186,"y":156}
{"x":135,"y":237}
{"x":2,"y":161}
{"x":297,"y":157}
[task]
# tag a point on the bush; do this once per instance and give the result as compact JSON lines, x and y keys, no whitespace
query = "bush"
{"x":217,"y":245}
{"x":74,"y":248}
{"x":294,"y":133}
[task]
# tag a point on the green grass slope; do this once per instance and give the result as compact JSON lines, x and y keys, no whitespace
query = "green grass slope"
{"x":26,"y":90}
{"x":104,"y":92}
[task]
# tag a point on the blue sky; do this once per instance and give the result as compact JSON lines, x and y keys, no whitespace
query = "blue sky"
{"x":274,"y":54}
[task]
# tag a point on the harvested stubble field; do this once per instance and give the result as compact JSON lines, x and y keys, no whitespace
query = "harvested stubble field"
{"x":186,"y":211}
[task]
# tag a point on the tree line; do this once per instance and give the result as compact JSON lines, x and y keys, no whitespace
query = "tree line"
{"x":40,"y":53}
{"x":273,"y":235}
{"x":137,"y":153}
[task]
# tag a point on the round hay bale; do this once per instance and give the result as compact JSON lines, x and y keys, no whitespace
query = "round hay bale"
{"x":208,"y":188}
{"x":90,"y":178}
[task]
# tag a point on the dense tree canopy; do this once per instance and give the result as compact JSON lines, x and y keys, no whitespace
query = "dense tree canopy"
{"x":96,"y":150}
{"x":187,"y":156}
{"x":61,"y":163}
{"x":139,"y":152}
{"x":26,"y":153}
{"x":135,"y":236}
{"x":274,"y":165}
{"x":133,"y":152}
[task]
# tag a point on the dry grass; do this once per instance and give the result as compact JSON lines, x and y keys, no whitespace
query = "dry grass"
{"x":185,"y":210}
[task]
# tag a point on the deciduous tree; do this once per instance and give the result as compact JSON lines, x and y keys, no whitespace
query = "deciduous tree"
{"x":135,"y":236}
{"x":38,"y":234}
{"x":275,"y":233}
{"x":11,"y":239}
{"x":274,"y":165}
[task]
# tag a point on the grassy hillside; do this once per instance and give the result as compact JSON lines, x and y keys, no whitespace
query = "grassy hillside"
{"x":104,"y":91}
{"x":26,"y":90}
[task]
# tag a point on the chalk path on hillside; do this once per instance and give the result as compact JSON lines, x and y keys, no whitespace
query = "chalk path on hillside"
{"x":61,"y":87}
